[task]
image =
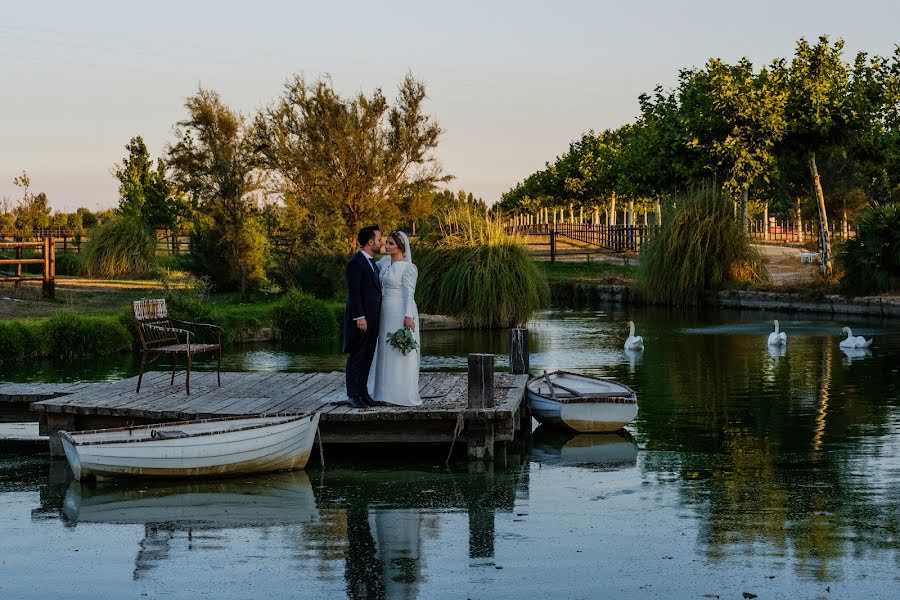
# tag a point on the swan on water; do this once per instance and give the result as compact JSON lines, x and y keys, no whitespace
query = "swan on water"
{"x":634,"y":342}
{"x":777,"y":338}
{"x":854,"y":341}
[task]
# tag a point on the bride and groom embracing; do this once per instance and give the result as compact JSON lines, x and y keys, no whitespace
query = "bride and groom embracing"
{"x":380,"y":302}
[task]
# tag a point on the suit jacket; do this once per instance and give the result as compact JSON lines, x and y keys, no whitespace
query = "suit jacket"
{"x":363,"y":298}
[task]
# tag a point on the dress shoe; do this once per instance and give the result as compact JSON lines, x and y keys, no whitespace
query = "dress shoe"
{"x":357,"y":402}
{"x":369,"y":400}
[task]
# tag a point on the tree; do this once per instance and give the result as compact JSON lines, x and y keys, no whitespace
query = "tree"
{"x":146,"y":194}
{"x":215,"y":163}
{"x":742,"y":116}
{"x":33,"y":211}
{"x":822,"y":110}
{"x":345,"y":163}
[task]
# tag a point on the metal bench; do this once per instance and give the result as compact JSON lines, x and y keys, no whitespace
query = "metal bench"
{"x":160,"y":334}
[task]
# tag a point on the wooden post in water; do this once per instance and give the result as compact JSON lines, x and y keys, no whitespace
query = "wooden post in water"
{"x":481,"y":396}
{"x":518,"y":351}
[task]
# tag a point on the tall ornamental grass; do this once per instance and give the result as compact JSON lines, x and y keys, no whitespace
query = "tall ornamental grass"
{"x":699,"y":248}
{"x":121,"y":247}
{"x":477,"y":273}
{"x":871,"y":261}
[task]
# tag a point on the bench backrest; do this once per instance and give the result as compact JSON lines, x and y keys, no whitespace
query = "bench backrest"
{"x":148,"y":316}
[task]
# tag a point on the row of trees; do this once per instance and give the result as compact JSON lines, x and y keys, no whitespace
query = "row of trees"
{"x":32,"y":211}
{"x":780,"y":134}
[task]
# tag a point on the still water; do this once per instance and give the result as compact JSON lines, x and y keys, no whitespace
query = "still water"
{"x":774,"y":473}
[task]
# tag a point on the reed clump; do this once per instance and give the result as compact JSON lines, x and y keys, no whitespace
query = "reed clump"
{"x":470,"y":268}
{"x":121,"y":247}
{"x":699,"y":248}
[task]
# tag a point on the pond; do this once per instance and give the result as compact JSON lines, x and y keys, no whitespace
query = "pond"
{"x":748,"y":470}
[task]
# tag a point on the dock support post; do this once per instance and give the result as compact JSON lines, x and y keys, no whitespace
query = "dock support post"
{"x":481,"y":395}
{"x":50,"y":424}
{"x":518,"y":351}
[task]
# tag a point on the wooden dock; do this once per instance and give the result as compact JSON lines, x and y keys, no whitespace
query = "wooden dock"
{"x":446,"y":415}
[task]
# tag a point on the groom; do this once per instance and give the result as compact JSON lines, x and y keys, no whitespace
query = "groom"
{"x":362,"y":315}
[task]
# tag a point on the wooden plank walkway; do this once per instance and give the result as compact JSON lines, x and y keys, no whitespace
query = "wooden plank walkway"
{"x":443,"y":417}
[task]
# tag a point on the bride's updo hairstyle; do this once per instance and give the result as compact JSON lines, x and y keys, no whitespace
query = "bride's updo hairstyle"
{"x":395,"y":235}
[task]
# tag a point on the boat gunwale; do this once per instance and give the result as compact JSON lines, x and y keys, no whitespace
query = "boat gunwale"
{"x":609,"y":398}
{"x":69,"y":436}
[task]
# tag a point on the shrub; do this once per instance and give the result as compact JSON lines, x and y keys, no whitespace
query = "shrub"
{"x":700,"y":247}
{"x":68,"y":264}
{"x":495,"y":285}
{"x":120,"y":247}
{"x":187,"y":296}
{"x":320,"y":275}
{"x":70,"y":335}
{"x":22,"y":340}
{"x":230,"y":264}
{"x":871,"y":261}
{"x":300,"y":317}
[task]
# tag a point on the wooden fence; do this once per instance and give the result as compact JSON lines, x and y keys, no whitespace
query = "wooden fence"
{"x":70,"y":241}
{"x":616,"y":238}
{"x":794,"y":232}
{"x":18,"y":260}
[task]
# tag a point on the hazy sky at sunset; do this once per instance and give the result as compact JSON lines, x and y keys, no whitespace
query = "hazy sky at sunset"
{"x":511,"y":83}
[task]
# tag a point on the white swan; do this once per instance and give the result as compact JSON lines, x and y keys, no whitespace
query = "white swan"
{"x":854,"y":341}
{"x":634,"y":342}
{"x":777,"y":338}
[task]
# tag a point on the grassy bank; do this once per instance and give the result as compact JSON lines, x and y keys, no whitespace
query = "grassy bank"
{"x":67,"y":334}
{"x":595,"y":272}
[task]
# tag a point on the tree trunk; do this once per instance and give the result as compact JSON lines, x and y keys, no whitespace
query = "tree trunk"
{"x":658,"y":212}
{"x":799,"y":222}
{"x":631,"y":212}
{"x":823,"y":217}
{"x":743,"y":216}
{"x":766,"y":222}
{"x":612,"y":209}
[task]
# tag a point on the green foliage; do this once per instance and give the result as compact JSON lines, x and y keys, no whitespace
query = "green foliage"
{"x":22,"y":340}
{"x":345,"y":163}
{"x":216,"y":162}
{"x":68,"y":264}
{"x":699,"y":248}
{"x":118,"y":248}
{"x":871,"y":261}
{"x":145,"y":193}
{"x":33,"y":211}
{"x":321,"y":275}
{"x":187,"y":296}
{"x":495,"y":285}
{"x":301,"y":317}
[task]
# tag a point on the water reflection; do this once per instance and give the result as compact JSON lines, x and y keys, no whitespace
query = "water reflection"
{"x":856,"y":353}
{"x":607,"y":450}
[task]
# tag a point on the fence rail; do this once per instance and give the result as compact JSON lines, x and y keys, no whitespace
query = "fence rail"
{"x":616,"y":238}
{"x":70,"y":241}
{"x":794,"y":232}
{"x":47,"y":262}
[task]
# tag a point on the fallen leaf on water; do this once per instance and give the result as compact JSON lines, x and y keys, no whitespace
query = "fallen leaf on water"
{"x":748,"y":595}
{"x":710,"y":595}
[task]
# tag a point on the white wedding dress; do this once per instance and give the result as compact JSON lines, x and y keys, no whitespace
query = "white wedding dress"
{"x":394,"y":378}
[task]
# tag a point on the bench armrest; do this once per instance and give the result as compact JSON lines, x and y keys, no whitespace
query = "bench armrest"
{"x":218,"y":331}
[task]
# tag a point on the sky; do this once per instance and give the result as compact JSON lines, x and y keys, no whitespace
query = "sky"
{"x":510,"y":82}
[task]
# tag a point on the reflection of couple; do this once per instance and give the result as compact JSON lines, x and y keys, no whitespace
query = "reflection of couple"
{"x":380,"y":301}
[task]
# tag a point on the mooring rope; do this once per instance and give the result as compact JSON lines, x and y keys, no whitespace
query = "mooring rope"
{"x":460,"y":423}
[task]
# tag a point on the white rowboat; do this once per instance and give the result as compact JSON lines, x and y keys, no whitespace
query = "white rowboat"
{"x":208,"y":447}
{"x":585,"y":404}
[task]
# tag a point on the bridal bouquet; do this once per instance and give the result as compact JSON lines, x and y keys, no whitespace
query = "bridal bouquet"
{"x":403,"y":340}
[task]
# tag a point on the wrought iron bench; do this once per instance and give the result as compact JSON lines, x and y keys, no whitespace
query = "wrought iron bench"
{"x":160,"y":334}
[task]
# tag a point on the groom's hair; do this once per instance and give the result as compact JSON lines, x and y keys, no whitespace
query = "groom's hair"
{"x":366,"y":233}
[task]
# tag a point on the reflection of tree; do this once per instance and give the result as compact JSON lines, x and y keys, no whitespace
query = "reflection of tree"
{"x":769,"y":446}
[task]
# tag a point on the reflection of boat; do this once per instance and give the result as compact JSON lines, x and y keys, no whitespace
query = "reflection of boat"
{"x":275,"y":499}
{"x":207,"y":447}
{"x":609,"y":449}
{"x":586,"y":404}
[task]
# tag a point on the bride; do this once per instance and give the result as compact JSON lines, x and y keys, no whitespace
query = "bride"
{"x":396,"y":377}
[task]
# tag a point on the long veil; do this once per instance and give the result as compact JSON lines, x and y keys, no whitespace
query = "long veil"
{"x":405,"y":239}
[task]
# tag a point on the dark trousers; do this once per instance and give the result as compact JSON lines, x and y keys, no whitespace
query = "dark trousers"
{"x":362,"y":351}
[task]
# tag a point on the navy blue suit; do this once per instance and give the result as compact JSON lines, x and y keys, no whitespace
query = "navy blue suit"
{"x":363,"y":300}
